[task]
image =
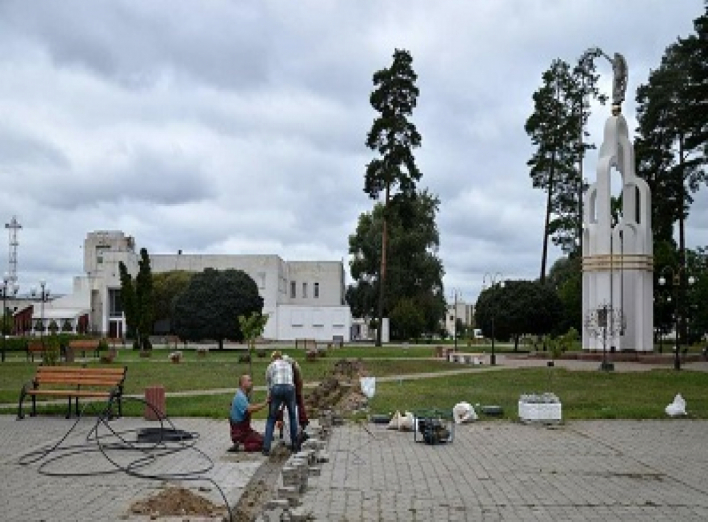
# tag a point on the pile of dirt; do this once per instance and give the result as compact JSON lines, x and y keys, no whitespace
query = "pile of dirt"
{"x":341,"y":390}
{"x":177,"y":501}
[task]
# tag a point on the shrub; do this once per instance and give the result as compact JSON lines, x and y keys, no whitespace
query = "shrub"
{"x":52,"y":351}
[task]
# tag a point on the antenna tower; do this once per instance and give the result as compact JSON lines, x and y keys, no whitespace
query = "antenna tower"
{"x":13,"y":226}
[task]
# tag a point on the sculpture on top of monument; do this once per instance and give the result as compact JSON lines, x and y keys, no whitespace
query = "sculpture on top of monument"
{"x":619,"y":85}
{"x":620,"y":73}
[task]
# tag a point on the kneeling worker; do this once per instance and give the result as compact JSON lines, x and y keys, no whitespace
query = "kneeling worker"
{"x":240,"y":417}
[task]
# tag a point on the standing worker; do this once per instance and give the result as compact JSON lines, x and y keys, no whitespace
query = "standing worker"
{"x":281,"y":390}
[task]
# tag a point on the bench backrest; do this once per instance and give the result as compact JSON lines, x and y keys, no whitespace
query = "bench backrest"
{"x":79,"y":376}
{"x":35,"y":346}
{"x":84,"y":344}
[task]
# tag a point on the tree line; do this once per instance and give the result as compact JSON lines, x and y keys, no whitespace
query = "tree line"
{"x":213,"y":304}
{"x":671,"y":149}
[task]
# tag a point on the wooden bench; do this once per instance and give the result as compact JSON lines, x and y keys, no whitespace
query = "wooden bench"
{"x":74,"y":382}
{"x":85,"y":345}
{"x":35,"y":347}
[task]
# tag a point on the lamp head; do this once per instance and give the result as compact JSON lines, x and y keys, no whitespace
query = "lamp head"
{"x":662,"y":281}
{"x":691,"y":280}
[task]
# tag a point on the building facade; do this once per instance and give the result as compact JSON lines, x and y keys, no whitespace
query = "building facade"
{"x":459,"y":311}
{"x":303,"y":299}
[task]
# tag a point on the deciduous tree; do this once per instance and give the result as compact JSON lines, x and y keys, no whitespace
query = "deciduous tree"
{"x":415,"y":271}
{"x":214,"y":298}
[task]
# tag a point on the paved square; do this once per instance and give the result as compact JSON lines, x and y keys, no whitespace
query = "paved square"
{"x":494,"y":470}
{"x":604,"y":470}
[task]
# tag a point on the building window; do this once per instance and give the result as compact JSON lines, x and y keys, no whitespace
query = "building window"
{"x":99,"y":253}
{"x":304,"y":290}
{"x":316,"y":291}
{"x":115,"y":305}
{"x":261,"y":280}
{"x":292,"y":289}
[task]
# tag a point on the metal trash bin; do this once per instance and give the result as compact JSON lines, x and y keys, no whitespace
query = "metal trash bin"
{"x":155,"y":403}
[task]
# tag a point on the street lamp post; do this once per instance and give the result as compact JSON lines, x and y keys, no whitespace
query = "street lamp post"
{"x":676,"y":280}
{"x":454,"y":315}
{"x":494,"y":280}
{"x":43,"y":296}
{"x":7,"y":286}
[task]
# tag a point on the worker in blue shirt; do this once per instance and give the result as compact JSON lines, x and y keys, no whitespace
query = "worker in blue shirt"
{"x":240,"y":417}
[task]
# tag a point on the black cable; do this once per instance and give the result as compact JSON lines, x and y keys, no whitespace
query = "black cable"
{"x":148,"y":454}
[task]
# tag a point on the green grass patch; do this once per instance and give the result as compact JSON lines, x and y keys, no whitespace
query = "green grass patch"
{"x":219,"y":370}
{"x":584,"y":395}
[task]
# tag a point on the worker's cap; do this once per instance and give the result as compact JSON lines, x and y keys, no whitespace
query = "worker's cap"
{"x":287,"y":358}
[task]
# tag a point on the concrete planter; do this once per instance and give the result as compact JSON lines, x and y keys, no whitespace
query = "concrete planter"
{"x":545,"y":408}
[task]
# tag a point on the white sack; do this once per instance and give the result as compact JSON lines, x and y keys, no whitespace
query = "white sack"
{"x":368,"y":386}
{"x":395,"y":421}
{"x":676,"y":408}
{"x":463,"y":412}
{"x":406,"y":422}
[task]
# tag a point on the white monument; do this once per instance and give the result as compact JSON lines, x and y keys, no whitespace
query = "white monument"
{"x":617,"y":254}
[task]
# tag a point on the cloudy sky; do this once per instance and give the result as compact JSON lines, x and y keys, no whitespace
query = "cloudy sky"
{"x":239,"y":126}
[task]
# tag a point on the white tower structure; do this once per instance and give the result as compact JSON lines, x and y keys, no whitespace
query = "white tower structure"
{"x":618,"y":254}
{"x":13,"y":226}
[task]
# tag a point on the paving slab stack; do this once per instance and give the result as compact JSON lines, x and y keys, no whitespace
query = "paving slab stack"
{"x":294,"y":477}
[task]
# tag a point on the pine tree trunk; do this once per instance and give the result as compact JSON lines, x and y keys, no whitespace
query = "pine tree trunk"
{"x":544,"y":254}
{"x":382,"y":276}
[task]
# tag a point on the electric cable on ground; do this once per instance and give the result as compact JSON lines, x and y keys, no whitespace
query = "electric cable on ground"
{"x":149,"y":454}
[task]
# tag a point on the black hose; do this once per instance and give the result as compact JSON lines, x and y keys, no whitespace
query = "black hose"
{"x":163,"y":445}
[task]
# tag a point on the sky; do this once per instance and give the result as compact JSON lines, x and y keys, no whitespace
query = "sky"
{"x":239,"y":127}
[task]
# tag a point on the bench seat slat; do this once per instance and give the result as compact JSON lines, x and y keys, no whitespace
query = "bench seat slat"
{"x":79,"y":369}
{"x":71,"y":393}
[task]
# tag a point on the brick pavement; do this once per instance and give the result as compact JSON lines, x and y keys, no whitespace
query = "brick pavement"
{"x":505,"y":471}
{"x":27,"y":495}
{"x":494,"y":470}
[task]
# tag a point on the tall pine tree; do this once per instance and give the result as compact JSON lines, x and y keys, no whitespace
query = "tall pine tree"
{"x":553,"y":128}
{"x":393,"y":136}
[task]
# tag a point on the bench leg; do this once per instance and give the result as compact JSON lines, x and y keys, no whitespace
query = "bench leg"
{"x":23,"y":394}
{"x":34,"y":406}
{"x":68,"y":411}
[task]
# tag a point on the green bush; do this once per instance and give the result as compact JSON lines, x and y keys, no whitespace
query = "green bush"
{"x":52,"y":351}
{"x":15,"y":344}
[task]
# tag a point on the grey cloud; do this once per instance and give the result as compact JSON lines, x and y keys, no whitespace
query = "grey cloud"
{"x":136,"y":43}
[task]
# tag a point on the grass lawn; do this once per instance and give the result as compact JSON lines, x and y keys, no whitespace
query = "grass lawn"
{"x":219,"y":370}
{"x":585,"y":395}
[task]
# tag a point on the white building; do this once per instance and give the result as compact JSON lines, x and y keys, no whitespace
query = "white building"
{"x":458,"y":311}
{"x":304,"y":299}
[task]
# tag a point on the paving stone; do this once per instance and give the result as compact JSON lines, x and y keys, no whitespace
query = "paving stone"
{"x":505,"y":471}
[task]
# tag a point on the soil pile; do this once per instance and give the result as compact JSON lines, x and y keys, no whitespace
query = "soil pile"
{"x":341,"y":390}
{"x":176,"y":501}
